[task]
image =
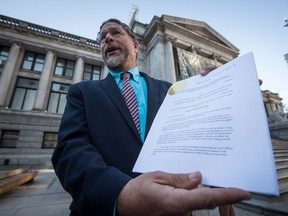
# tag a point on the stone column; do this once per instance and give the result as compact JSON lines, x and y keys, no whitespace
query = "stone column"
{"x":268,"y":108}
{"x":44,"y":82}
{"x":169,"y":61}
{"x":8,"y":72}
{"x":216,"y":57}
{"x":79,"y":70}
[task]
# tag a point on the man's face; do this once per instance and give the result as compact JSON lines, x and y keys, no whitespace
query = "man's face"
{"x":117,"y":47}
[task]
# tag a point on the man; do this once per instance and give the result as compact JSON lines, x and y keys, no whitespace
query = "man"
{"x":99,"y":143}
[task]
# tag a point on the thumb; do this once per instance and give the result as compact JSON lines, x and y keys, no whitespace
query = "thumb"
{"x":260,"y":82}
{"x":207,"y":69}
{"x":185,"y":181}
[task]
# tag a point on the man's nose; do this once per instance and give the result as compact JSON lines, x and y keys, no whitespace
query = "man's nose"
{"x":108,"y":37}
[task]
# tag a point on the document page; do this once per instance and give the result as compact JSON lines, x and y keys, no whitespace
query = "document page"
{"x":215,"y":124}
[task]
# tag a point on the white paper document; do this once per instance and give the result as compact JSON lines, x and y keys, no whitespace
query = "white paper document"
{"x":215,"y":124}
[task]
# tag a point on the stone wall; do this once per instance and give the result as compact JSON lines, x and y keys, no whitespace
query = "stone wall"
{"x":279,"y":130}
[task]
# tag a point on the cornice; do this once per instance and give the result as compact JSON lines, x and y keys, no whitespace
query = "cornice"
{"x":169,"y":26}
{"x":29,"y":29}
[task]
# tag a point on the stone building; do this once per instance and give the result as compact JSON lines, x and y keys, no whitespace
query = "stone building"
{"x":38,"y":64}
{"x":273,"y":105}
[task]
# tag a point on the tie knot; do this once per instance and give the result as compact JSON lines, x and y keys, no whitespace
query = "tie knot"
{"x":126,"y":76}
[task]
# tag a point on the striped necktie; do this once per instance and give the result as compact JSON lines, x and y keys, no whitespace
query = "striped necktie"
{"x":130,"y":99}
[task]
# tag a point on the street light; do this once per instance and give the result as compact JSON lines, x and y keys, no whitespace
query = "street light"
{"x":286,"y":21}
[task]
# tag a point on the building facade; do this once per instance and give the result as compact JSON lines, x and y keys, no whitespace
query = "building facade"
{"x":273,"y":106}
{"x":39,"y":64}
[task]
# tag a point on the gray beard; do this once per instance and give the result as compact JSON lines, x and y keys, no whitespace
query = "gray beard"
{"x":115,"y":62}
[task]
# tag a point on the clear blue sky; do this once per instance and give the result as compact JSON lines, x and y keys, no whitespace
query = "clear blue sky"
{"x":251,"y":25}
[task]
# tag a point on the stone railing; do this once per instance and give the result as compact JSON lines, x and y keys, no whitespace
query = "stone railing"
{"x":15,"y":23}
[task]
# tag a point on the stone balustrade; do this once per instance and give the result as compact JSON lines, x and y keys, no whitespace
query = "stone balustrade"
{"x":21,"y":25}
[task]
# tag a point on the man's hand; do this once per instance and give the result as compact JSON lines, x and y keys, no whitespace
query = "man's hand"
{"x":227,"y":210}
{"x":160,"y":193}
{"x":207,"y":69}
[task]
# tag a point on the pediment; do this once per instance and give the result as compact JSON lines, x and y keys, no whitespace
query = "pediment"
{"x":199,"y":28}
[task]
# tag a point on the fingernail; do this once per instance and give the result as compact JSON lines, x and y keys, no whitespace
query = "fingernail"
{"x":203,"y":72}
{"x":194,"y":175}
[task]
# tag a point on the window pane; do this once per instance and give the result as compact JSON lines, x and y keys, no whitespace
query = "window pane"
{"x":40,"y":58}
{"x":60,"y":63}
{"x":86,"y":76}
{"x":29,"y":56}
{"x":95,"y":77}
{"x":96,"y":70}
{"x":4,"y":52}
{"x":70,"y":65}
{"x":55,"y":87}
{"x":18,"y":98}
{"x":63,"y":88}
{"x":88,"y":68}
{"x":38,"y":67}
{"x":2,"y":61}
{"x":27,"y":83}
{"x":50,"y":140}
{"x":29,"y":99}
{"x":27,"y":65}
{"x":69,"y":73}
{"x":3,"y":58}
{"x":9,"y":139}
{"x":58,"y":71}
{"x":53,"y":102}
{"x":62,"y":103}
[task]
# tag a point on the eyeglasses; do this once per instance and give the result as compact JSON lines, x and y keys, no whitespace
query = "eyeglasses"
{"x":114,"y":32}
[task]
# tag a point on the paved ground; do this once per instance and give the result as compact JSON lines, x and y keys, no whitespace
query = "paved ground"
{"x":45,"y":197}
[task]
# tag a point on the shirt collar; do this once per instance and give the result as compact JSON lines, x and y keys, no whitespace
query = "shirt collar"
{"x":134,"y":71}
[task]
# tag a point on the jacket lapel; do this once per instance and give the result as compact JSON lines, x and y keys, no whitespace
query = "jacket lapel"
{"x":153,"y":103}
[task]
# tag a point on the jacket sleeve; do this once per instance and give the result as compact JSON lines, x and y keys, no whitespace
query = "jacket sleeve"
{"x":93,"y":185}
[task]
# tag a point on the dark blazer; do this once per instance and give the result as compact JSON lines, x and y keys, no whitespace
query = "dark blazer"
{"x":98,"y":143}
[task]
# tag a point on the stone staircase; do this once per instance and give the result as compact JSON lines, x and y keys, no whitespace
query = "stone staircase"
{"x":280,"y":149}
{"x":11,"y":177}
{"x":271,"y":205}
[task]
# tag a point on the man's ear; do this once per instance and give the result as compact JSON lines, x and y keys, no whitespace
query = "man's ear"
{"x":136,"y":46}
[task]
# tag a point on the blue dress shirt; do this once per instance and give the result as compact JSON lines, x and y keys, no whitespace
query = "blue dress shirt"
{"x":140,"y":87}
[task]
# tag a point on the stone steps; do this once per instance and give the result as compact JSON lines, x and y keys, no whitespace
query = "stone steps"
{"x":281,"y":170}
{"x":283,"y":188}
{"x":280,"y":149}
{"x":281,"y":162}
{"x":11,"y":178}
{"x":262,"y":209}
{"x":282,"y":152}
